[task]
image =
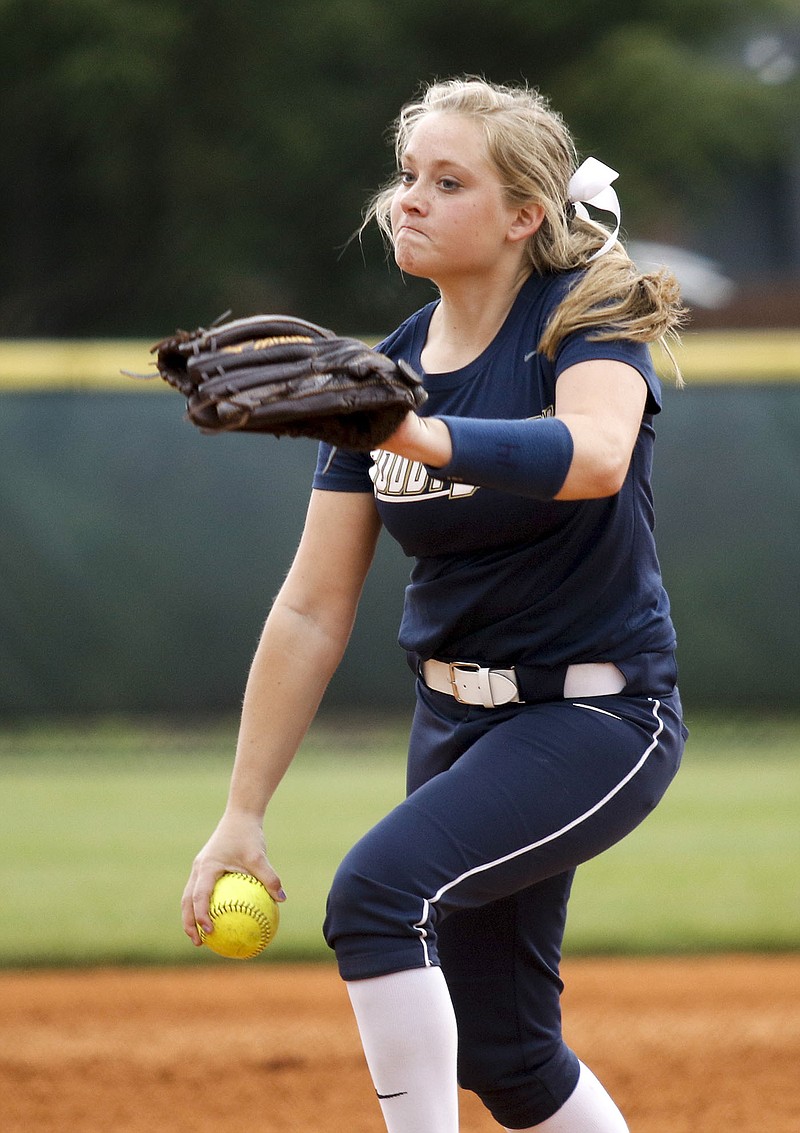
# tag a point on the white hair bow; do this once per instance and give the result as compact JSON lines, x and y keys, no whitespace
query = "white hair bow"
{"x":590,"y":184}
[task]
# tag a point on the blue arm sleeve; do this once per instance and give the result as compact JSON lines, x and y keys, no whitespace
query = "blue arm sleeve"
{"x":526,"y":458}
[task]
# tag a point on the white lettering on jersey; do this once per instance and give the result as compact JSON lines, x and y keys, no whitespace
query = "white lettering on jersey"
{"x":398,"y":479}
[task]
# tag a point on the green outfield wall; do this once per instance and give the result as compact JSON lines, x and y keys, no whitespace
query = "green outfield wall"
{"x":138,"y":557}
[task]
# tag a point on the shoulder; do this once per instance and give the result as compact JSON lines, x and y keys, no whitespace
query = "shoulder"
{"x":590,"y":343}
{"x":402,"y":340}
{"x":539,"y":297}
{"x":548,"y":290}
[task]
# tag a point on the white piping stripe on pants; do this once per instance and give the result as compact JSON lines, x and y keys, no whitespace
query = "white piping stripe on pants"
{"x":420,"y":925}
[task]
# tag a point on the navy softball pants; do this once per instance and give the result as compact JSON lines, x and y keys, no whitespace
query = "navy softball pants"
{"x":473,"y":870}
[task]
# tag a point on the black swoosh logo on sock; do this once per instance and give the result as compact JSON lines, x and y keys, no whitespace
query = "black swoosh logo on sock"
{"x":383,"y":1097}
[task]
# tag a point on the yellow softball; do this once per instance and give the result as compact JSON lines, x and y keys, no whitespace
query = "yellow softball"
{"x":244,"y":916}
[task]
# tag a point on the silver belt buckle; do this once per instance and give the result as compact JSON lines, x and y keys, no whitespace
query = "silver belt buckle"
{"x":455,"y":667}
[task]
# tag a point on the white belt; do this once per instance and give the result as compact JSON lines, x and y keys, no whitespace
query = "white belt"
{"x":471,"y":683}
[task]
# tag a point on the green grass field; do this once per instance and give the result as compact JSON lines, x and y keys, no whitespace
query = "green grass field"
{"x":100,"y":823}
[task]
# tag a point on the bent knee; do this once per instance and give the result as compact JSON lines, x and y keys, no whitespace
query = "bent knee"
{"x":519,"y":1098}
{"x":376,"y":924}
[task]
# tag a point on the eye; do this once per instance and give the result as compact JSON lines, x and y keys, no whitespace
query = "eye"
{"x":406,"y":177}
{"x":449,"y":184}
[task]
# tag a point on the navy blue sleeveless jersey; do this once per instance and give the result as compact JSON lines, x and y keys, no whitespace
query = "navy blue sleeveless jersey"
{"x":502,"y":579}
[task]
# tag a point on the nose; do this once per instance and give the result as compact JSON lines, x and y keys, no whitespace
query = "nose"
{"x":413,"y":199}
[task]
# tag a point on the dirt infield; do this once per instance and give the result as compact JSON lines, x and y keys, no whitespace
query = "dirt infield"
{"x":686,"y":1046}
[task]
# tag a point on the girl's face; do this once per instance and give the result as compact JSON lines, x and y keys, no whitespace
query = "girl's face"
{"x":450,"y":219}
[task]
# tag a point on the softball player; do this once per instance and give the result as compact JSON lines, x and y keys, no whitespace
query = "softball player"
{"x":547,"y":723}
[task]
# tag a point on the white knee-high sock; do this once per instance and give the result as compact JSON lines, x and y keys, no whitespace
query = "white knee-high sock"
{"x":408,"y":1031}
{"x":588,"y":1109}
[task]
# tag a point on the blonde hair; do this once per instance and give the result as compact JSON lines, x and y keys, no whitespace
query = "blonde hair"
{"x":535,"y":156}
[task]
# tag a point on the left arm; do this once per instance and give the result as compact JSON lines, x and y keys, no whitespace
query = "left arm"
{"x":601,"y":403}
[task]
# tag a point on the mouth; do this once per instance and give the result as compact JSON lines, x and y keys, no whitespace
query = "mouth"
{"x":406,"y":229}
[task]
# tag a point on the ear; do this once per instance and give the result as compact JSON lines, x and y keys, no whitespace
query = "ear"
{"x":527,"y":220}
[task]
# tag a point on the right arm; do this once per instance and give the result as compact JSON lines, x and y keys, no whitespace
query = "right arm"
{"x":303,"y":641}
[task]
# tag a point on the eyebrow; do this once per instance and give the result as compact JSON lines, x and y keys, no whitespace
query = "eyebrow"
{"x":440,"y":162}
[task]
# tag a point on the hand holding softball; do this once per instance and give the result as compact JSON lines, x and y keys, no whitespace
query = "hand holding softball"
{"x":236,"y":846}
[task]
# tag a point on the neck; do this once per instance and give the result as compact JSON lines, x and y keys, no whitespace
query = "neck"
{"x":466,"y":320}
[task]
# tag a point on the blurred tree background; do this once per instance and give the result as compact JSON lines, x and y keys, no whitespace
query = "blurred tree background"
{"x":165,"y":160}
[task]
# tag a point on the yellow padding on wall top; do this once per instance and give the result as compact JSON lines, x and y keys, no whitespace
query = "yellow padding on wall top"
{"x":706,"y":357}
{"x":53,"y":364}
{"x":741,"y":356}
